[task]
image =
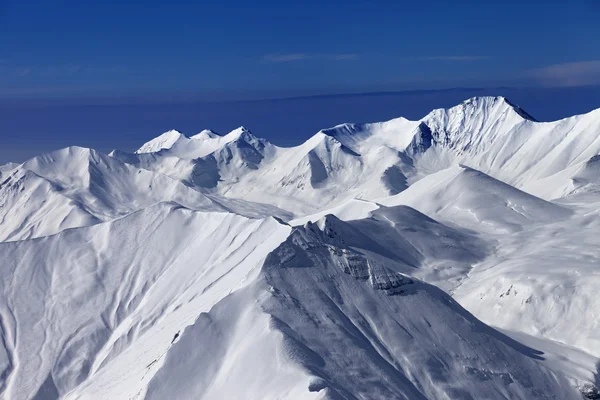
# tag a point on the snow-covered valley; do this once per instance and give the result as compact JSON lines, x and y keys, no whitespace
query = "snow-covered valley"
{"x":453,"y":257}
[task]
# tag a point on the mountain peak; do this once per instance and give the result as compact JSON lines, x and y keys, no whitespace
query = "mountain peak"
{"x":520,"y":111}
{"x":164,"y":141}
{"x":487,"y":103}
{"x":244,"y":134}
{"x":238,"y":132}
{"x":472,"y":125}
{"x":206,"y":134}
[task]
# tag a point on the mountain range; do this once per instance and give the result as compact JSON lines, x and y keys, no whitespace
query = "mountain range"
{"x":453,"y":257}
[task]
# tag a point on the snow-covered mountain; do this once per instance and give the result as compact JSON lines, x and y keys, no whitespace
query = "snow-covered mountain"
{"x":373,"y":261}
{"x":76,"y":187}
{"x":371,"y":161}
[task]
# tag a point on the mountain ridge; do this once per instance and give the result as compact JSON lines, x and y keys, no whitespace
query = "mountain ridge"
{"x":490,"y":134}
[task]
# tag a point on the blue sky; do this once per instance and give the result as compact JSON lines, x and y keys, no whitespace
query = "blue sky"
{"x":112,"y":74}
{"x":229,"y":49}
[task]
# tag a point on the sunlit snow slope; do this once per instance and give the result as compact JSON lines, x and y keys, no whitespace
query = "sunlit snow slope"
{"x":373,"y":261}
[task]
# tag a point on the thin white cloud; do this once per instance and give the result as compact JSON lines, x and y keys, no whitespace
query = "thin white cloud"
{"x":448,"y":58}
{"x":286,"y":57}
{"x":568,"y":74}
{"x":292,"y":57}
{"x":341,"y":57}
{"x":51,"y":90}
{"x":57,"y":70}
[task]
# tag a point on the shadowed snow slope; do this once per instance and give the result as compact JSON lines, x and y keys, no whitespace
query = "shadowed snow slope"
{"x":409,"y":242}
{"x":171,"y":272}
{"x":326,"y":322}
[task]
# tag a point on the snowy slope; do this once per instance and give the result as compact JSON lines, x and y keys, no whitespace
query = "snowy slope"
{"x":329,"y":322}
{"x":76,"y":187}
{"x":370,"y":161}
{"x":407,"y":241}
{"x":31,"y":206}
{"x":579,"y":178}
{"x":541,"y":274}
{"x":219,"y":267}
{"x":7,"y":167}
{"x":543,"y":281}
{"x":475,"y":200}
{"x":139,"y":281}
{"x":299,"y":179}
{"x":109,"y":298}
{"x":165,"y":141}
{"x":492,"y":135}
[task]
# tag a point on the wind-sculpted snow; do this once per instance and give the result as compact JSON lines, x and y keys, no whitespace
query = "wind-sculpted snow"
{"x":226,"y":267}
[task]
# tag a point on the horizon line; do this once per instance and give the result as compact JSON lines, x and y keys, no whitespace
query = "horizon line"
{"x":198,"y":96}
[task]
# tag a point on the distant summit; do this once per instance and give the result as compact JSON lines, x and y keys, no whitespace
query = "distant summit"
{"x":164,"y":141}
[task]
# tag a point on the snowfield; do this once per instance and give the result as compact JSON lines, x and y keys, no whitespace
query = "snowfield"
{"x":454,"y":257}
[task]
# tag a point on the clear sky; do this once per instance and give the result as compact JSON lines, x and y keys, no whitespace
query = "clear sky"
{"x":57,"y":58}
{"x":252,"y":48}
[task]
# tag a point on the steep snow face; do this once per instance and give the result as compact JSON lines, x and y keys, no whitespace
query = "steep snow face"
{"x":491,"y":135}
{"x":407,"y":241}
{"x":421,"y":246}
{"x":474,"y":124}
{"x":577,"y":179}
{"x":231,"y":161}
{"x":318,"y":304}
{"x":540,"y":276}
{"x":206,"y":134}
{"x":319,"y":173}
